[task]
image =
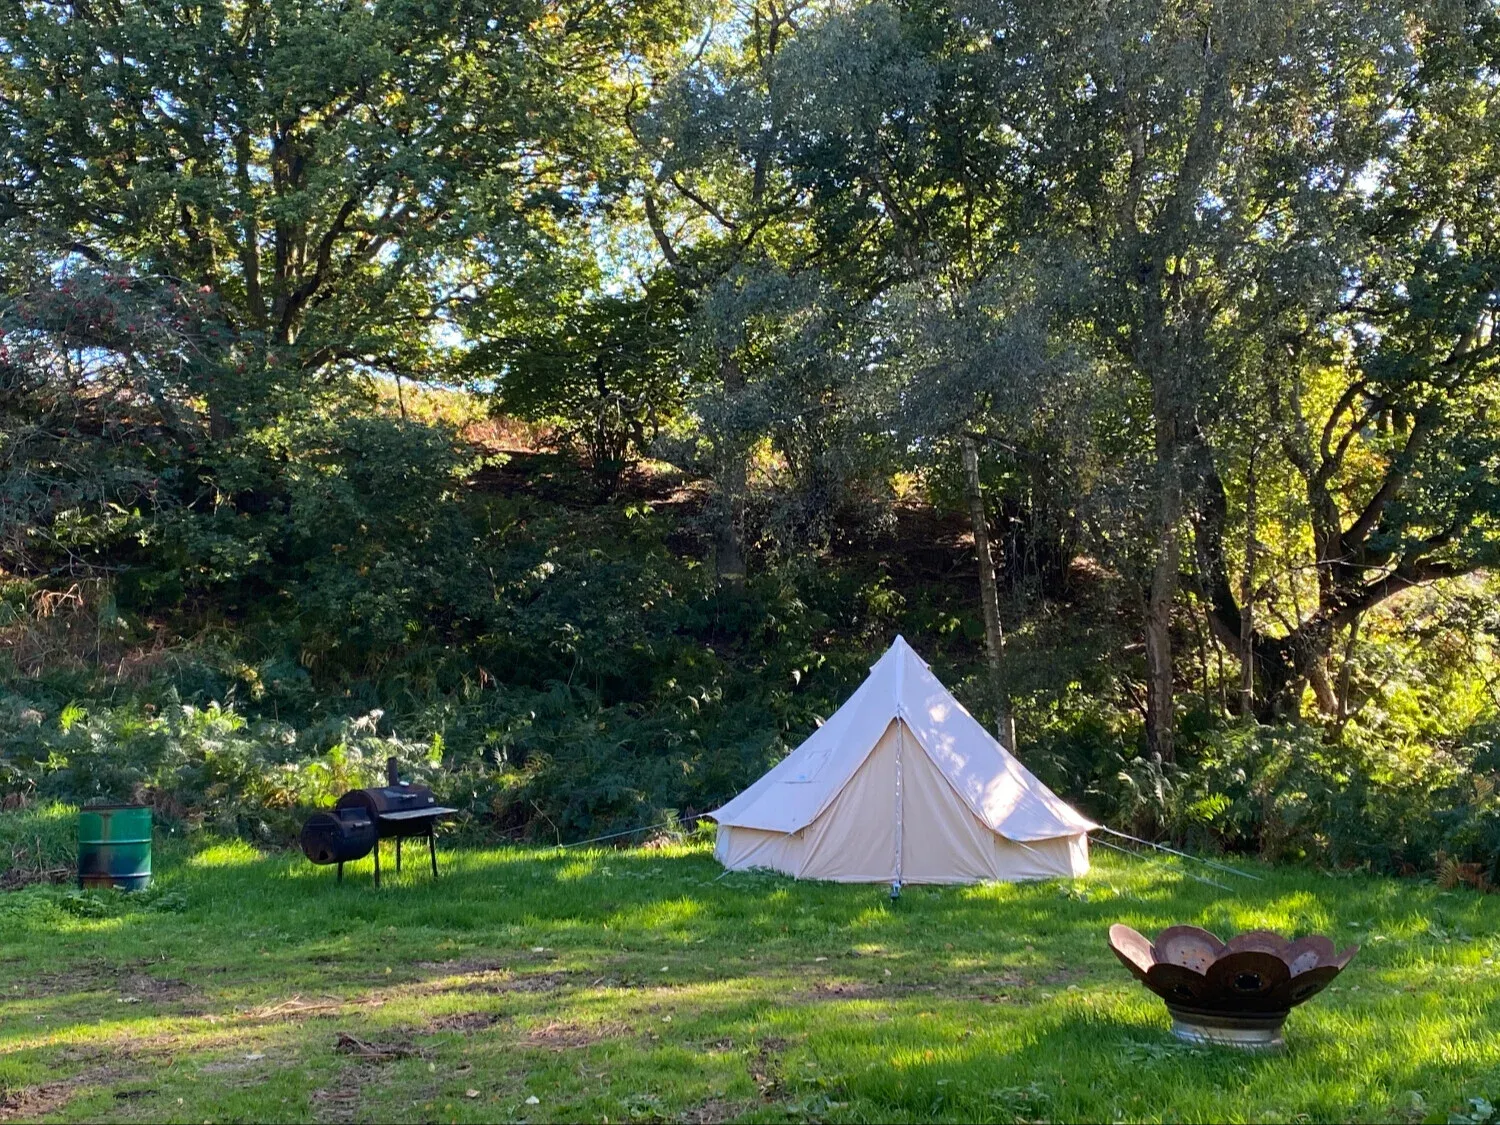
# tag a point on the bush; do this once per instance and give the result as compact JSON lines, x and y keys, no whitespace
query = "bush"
{"x":194,"y":765}
{"x":1293,"y":794}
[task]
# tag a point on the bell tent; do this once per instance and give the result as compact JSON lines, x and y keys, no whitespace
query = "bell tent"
{"x":902,"y":785}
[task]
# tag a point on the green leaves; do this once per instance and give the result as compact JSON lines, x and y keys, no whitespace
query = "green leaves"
{"x":333,"y":175}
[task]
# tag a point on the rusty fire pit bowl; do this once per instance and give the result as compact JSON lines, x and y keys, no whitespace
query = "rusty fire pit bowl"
{"x":1234,"y":993}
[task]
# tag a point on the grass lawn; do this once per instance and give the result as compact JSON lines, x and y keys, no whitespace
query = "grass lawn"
{"x":532,"y":984}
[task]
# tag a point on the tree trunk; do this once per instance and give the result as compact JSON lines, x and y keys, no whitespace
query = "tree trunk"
{"x":1202,"y":637}
{"x":1160,"y":711}
{"x":1247,"y":597}
{"x":1278,"y":676}
{"x":1317,"y":678}
{"x":1288,"y":665}
{"x":729,"y":555}
{"x":1346,"y":672}
{"x":989,"y":597}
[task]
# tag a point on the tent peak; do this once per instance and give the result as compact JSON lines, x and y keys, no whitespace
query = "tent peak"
{"x":899,"y":648}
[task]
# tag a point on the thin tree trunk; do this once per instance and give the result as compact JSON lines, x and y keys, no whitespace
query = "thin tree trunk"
{"x":1317,"y":679}
{"x":989,"y":597}
{"x":1202,"y":630}
{"x":1346,"y":672}
{"x":1160,"y":710}
{"x":1247,"y":597}
{"x":1223,"y":678}
{"x":729,"y":557}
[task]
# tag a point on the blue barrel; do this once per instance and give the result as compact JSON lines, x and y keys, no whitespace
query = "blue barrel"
{"x":114,"y":846}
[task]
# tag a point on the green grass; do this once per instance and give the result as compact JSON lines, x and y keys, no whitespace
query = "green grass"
{"x":639,"y":985}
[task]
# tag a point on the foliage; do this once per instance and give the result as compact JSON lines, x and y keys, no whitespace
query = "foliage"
{"x":98,"y":372}
{"x":337,"y":178}
{"x":603,"y":374}
{"x":197,"y":765}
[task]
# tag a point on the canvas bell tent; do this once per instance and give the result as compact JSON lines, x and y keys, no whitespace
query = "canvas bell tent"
{"x":902,"y":785}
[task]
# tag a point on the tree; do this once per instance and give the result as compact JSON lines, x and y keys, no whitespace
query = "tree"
{"x":1382,"y":381}
{"x":706,"y":127}
{"x":994,"y":636}
{"x":1182,"y":152}
{"x":96,"y":369}
{"x":338,"y":178}
{"x":606,"y":373}
{"x":1203,"y":170}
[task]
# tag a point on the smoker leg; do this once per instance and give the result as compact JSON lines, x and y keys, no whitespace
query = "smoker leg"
{"x":377,"y":863}
{"x":341,"y":871}
{"x":432,"y":850}
{"x":398,"y":855}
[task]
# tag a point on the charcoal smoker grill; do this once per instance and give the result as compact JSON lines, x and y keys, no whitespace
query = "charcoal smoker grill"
{"x":363,"y":817}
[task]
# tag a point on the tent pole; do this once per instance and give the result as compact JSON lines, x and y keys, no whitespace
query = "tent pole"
{"x":900,"y":746}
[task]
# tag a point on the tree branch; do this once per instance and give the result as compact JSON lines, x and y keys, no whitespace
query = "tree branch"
{"x":1395,"y":477}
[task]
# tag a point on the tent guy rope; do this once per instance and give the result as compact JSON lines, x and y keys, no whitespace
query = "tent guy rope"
{"x":1186,"y":874}
{"x":1174,"y":851}
{"x":617,"y":835}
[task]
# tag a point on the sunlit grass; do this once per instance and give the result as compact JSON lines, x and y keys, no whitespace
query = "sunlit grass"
{"x":642,"y":986}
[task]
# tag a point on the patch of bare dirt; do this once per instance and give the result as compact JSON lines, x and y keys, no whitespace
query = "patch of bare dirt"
{"x":36,"y":1101}
{"x":835,"y":990}
{"x":373,"y":1050}
{"x":85,"y":978}
{"x":461,"y":1021}
{"x":765,"y":1067}
{"x":994,"y":988}
{"x":138,"y":1092}
{"x":89,"y":1053}
{"x":145,"y":987}
{"x":531,"y":982}
{"x":460,"y":968}
{"x":246,"y":1061}
{"x":715,"y":1111}
{"x":340,"y":1101}
{"x":562,"y":1036}
{"x":165,"y":1045}
{"x":131,"y":985}
{"x":31,"y":1102}
{"x":846,"y":990}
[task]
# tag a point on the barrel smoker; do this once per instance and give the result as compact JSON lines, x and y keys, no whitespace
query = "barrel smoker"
{"x":361,"y":818}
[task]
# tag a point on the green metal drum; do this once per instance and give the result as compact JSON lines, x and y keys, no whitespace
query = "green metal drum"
{"x":114,"y":846}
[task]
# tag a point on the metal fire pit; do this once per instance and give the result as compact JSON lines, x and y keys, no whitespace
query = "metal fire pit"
{"x":1236,"y":993}
{"x":363,"y":817}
